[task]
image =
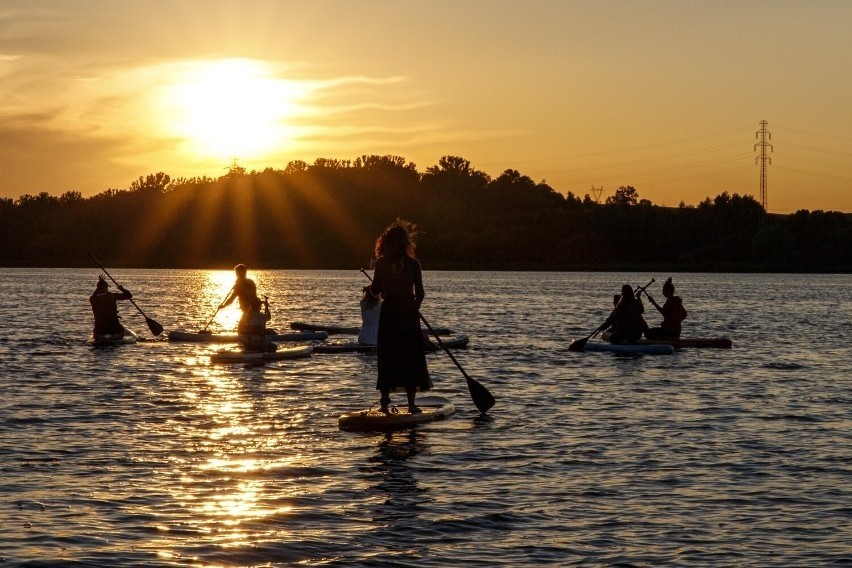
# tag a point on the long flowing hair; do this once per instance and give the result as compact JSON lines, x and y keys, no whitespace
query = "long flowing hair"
{"x":397,"y":241}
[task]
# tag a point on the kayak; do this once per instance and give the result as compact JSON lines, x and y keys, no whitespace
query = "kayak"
{"x":355,"y":347}
{"x":717,"y":342}
{"x":373,"y":420}
{"x":341,"y":330}
{"x":629,"y":348}
{"x":235,"y":338}
{"x":249,"y":357}
{"x":108,"y":340}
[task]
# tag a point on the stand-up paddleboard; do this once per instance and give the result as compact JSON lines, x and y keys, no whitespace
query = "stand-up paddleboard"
{"x":235,"y":338}
{"x":715,"y":342}
{"x":330,"y":329}
{"x":373,"y":420}
{"x":341,"y":330}
{"x":682,"y":342}
{"x":629,"y":348}
{"x":252,"y":356}
{"x":108,"y":340}
{"x":354,"y":347}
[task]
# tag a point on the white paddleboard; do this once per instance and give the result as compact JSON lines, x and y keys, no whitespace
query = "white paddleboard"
{"x":354,"y":347}
{"x":373,"y":420}
{"x":250,"y":356}
{"x":234,"y":338}
{"x":629,"y":348}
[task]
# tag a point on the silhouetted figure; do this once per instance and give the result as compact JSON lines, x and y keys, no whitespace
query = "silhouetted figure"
{"x":673,"y":313}
{"x":398,"y":279}
{"x":105,"y":310}
{"x":255,"y":328}
{"x":246,"y":290}
{"x":627,"y":320}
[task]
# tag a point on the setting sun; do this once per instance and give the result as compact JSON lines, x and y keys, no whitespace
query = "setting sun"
{"x":232,"y":107}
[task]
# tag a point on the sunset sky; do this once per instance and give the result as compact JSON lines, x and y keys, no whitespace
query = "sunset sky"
{"x":665,"y":96}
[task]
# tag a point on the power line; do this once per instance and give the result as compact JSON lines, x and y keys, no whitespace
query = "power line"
{"x":815,"y":162}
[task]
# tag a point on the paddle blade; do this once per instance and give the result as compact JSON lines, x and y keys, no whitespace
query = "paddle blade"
{"x":578,"y":344}
{"x":482,"y":398}
{"x":154,"y":326}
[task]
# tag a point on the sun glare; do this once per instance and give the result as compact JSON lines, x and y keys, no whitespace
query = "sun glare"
{"x":232,"y":108}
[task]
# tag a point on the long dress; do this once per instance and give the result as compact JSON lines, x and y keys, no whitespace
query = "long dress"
{"x":401,"y":359}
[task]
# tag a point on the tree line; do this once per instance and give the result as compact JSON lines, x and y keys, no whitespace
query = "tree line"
{"x":328,"y":214}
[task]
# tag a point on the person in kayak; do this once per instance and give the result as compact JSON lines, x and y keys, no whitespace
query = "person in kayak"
{"x":673,"y":314}
{"x":105,"y":309}
{"x":246,"y":291}
{"x":398,"y":280}
{"x":626,"y":319}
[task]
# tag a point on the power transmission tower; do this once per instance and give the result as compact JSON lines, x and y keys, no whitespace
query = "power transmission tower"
{"x":597,"y":192}
{"x":763,"y":135}
{"x":235,"y":169}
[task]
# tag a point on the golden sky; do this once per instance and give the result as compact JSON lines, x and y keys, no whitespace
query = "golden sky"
{"x":666,"y":96}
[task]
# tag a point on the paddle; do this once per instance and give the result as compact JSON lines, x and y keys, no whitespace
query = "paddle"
{"x":580,"y":344}
{"x":217,"y":310}
{"x":155,"y":327}
{"x":482,"y":398}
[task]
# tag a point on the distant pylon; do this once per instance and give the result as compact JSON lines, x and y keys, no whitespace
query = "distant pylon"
{"x":597,"y":192}
{"x":235,"y":169}
{"x":763,"y":135}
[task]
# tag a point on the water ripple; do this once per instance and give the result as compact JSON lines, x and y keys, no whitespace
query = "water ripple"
{"x":148,"y":455}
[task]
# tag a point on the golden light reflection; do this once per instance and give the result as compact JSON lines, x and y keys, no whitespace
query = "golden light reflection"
{"x":215,"y":291}
{"x":231,"y":107}
{"x":227,"y":490}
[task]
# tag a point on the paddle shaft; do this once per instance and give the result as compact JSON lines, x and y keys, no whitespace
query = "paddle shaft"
{"x":481,"y":397}
{"x":219,"y":308}
{"x":155,"y":327}
{"x":641,"y":289}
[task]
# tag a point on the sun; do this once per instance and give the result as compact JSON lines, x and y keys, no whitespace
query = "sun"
{"x":231,"y":108}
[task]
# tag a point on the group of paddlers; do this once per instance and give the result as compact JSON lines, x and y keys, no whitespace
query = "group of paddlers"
{"x":390,"y":310}
{"x":626,"y":323}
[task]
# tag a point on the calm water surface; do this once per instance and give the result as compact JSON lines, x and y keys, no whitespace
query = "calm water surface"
{"x":148,"y":455}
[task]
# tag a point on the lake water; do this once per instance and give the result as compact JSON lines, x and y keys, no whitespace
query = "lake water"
{"x":148,"y":455}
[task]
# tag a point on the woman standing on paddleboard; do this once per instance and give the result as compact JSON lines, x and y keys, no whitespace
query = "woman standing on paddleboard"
{"x":397,"y":278}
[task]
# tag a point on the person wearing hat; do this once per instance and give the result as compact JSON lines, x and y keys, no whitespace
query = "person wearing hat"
{"x":105,"y":309}
{"x":398,"y":281}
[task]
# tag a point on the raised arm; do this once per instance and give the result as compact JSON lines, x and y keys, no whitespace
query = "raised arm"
{"x":656,"y":305}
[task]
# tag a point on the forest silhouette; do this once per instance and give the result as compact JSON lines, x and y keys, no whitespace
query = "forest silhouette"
{"x":326,"y":215}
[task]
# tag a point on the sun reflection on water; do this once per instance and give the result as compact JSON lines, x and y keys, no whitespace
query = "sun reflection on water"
{"x":215,"y":289}
{"x":229,"y":483}
{"x":216,"y":286}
